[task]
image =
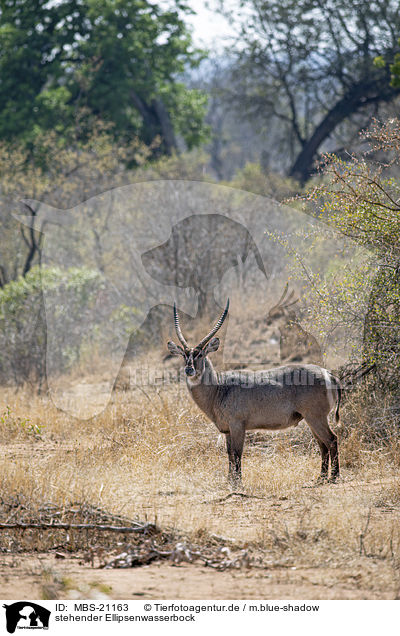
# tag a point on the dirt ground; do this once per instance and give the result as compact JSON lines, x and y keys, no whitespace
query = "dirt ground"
{"x":24,"y":577}
{"x":159,"y":461}
{"x":336,"y":576}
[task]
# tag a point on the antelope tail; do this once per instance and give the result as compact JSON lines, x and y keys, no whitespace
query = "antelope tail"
{"x":339,"y":397}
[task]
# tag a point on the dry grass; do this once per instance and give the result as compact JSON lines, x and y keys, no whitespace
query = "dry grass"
{"x":153,"y":456}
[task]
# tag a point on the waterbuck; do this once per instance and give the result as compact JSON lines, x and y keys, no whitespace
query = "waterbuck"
{"x":238,"y":401}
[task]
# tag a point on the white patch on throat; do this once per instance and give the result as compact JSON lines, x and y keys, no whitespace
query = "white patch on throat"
{"x":193,"y":381}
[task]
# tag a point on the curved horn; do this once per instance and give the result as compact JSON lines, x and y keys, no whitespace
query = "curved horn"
{"x":178,"y":329}
{"x":280,"y":301}
{"x":286,"y":305}
{"x":217,"y":326}
{"x":285,"y":302}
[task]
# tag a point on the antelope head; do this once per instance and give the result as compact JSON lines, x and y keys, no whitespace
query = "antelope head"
{"x":194,"y":357}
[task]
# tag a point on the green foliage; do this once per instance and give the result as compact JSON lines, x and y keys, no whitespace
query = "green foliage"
{"x":382,"y":326}
{"x":70,"y":298}
{"x":12,"y":426}
{"x":254,"y":179}
{"x":188,"y":108}
{"x":28,"y":35}
{"x":395,"y":70}
{"x":124,"y":315}
{"x":59,"y":174}
{"x":64,"y":65}
{"x":394,"y":66}
{"x":189,"y":165}
{"x":360,"y":198}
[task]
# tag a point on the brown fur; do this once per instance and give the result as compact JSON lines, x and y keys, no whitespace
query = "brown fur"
{"x":278,"y":398}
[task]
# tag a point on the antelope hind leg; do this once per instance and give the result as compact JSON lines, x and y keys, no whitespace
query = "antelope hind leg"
{"x":323,"y":434}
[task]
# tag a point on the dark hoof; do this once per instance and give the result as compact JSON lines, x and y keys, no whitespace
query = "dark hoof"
{"x":322,"y":479}
{"x":334,"y":479}
{"x":315,"y":482}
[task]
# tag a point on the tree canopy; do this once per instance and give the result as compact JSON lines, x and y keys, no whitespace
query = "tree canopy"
{"x":309,"y":64}
{"x":65,"y":64}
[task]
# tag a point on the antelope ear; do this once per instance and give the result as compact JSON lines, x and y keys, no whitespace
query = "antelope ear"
{"x":174,"y":349}
{"x":211,"y":346}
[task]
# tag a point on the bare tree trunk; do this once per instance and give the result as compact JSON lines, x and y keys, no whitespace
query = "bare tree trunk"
{"x":158,"y":121}
{"x":33,"y":244}
{"x":358,"y":97}
{"x":165,"y":125}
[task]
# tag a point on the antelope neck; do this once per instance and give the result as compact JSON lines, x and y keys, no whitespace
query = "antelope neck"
{"x":204,"y":389}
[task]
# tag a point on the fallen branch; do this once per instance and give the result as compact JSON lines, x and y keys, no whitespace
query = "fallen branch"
{"x":221,"y":559}
{"x":147,"y":528}
{"x":232,"y":494}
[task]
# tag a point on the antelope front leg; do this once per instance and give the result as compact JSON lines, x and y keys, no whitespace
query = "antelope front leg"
{"x":234,"y":447}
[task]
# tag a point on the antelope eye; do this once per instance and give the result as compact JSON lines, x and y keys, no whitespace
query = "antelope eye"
{"x":196,"y":353}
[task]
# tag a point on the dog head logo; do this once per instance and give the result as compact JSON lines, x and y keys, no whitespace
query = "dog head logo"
{"x":26,"y":615}
{"x":150,"y":244}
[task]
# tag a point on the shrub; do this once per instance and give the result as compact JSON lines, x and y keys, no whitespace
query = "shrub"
{"x":360,"y":198}
{"x":70,"y":301}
